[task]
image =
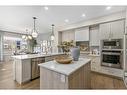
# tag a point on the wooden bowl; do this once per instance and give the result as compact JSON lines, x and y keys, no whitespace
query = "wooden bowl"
{"x":63,"y":60}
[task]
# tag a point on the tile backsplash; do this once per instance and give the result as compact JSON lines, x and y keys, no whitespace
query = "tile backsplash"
{"x":84,"y":45}
{"x":94,"y":49}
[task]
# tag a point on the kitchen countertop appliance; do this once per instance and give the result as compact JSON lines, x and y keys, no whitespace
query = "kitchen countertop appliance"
{"x":112,"y":44}
{"x":112,"y":53}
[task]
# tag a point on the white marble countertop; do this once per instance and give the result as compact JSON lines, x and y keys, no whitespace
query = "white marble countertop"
{"x":29,"y":56}
{"x":66,"y":69}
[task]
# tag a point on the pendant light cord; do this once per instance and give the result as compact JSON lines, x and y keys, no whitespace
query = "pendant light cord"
{"x":34,"y":23}
{"x":52,"y":29}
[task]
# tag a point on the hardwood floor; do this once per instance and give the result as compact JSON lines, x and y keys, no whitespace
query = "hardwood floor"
{"x":101,"y":81}
{"x":98,"y":81}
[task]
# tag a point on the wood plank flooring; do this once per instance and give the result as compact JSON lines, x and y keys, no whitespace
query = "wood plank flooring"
{"x":101,"y":81}
{"x":98,"y":81}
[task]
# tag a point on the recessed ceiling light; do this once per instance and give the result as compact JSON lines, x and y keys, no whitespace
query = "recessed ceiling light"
{"x":108,"y":8}
{"x":83,"y":15}
{"x":46,"y":8}
{"x":66,"y":20}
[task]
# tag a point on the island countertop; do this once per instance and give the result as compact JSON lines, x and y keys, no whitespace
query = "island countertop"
{"x":29,"y":56}
{"x":66,"y":69}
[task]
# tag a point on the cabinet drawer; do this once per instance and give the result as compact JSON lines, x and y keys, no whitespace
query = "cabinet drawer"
{"x":48,"y":59}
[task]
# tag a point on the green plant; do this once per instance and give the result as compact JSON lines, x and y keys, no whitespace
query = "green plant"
{"x":65,"y":45}
{"x":33,"y":43}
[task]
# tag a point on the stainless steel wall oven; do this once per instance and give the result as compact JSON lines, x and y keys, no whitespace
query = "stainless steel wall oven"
{"x":112,"y":58}
{"x":112,"y":53}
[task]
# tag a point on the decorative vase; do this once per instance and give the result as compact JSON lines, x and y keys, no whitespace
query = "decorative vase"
{"x":75,"y":53}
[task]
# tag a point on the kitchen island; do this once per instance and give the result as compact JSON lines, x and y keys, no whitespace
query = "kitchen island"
{"x":25,"y":67}
{"x":75,"y":75}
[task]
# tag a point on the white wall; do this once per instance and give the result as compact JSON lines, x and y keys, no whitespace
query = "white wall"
{"x":43,"y":36}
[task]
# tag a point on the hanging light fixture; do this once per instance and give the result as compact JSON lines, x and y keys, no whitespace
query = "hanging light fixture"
{"x":23,"y":36}
{"x":52,"y":35}
{"x":26,"y":36}
{"x":34,"y":32}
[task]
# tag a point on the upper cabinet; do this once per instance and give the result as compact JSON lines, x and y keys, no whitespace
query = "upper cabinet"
{"x":82,"y":34}
{"x":104,"y":31}
{"x":68,"y":35}
{"x":94,"y":36}
{"x":118,"y":29}
{"x":113,"y":30}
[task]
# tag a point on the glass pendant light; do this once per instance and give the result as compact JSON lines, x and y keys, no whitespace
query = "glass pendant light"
{"x":27,"y":36}
{"x":34,"y":32}
{"x":23,"y":36}
{"x":52,"y":35}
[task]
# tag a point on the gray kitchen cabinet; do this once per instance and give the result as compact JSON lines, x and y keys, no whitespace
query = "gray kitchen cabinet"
{"x":113,"y":30}
{"x":48,"y":58}
{"x":104,"y":31}
{"x":21,"y":70}
{"x":94,"y":36}
{"x":117,"y":29}
{"x":68,"y":35}
{"x":82,"y":34}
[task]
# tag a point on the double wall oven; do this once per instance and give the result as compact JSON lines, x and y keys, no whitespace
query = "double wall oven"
{"x":112,"y":53}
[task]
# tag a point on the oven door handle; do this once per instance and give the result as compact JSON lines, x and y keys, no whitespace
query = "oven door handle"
{"x":109,"y":53}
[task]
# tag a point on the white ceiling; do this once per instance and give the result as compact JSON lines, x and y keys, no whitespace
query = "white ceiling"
{"x":19,"y":18}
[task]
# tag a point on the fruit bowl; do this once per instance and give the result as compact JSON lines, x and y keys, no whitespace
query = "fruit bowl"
{"x":63,"y":60}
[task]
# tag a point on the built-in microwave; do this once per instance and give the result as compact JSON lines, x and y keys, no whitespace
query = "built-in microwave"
{"x":112,"y":44}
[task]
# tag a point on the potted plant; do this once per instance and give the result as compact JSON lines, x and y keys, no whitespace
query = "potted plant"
{"x":33,"y":43}
{"x":66,"y":45}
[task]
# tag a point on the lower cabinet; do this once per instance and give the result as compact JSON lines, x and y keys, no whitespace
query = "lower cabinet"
{"x":22,"y":70}
{"x":79,"y":79}
{"x":96,"y":66}
{"x":26,"y":69}
{"x":49,"y":58}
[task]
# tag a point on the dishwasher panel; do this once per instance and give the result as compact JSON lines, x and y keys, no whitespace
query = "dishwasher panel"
{"x":35,"y":70}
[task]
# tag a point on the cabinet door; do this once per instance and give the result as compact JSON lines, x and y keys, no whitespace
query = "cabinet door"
{"x":94,"y":36}
{"x":104,"y":31}
{"x":117,"y":29}
{"x":64,"y":36}
{"x":71,"y":35}
{"x":26,"y":70}
{"x":82,"y":34}
{"x":68,"y":36}
{"x":48,"y":58}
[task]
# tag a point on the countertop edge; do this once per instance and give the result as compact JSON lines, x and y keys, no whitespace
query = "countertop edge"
{"x":63,"y":72}
{"x":20,"y":57}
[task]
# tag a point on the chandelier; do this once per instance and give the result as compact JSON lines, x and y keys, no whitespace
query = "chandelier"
{"x":34,"y":32}
{"x":26,"y":36}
